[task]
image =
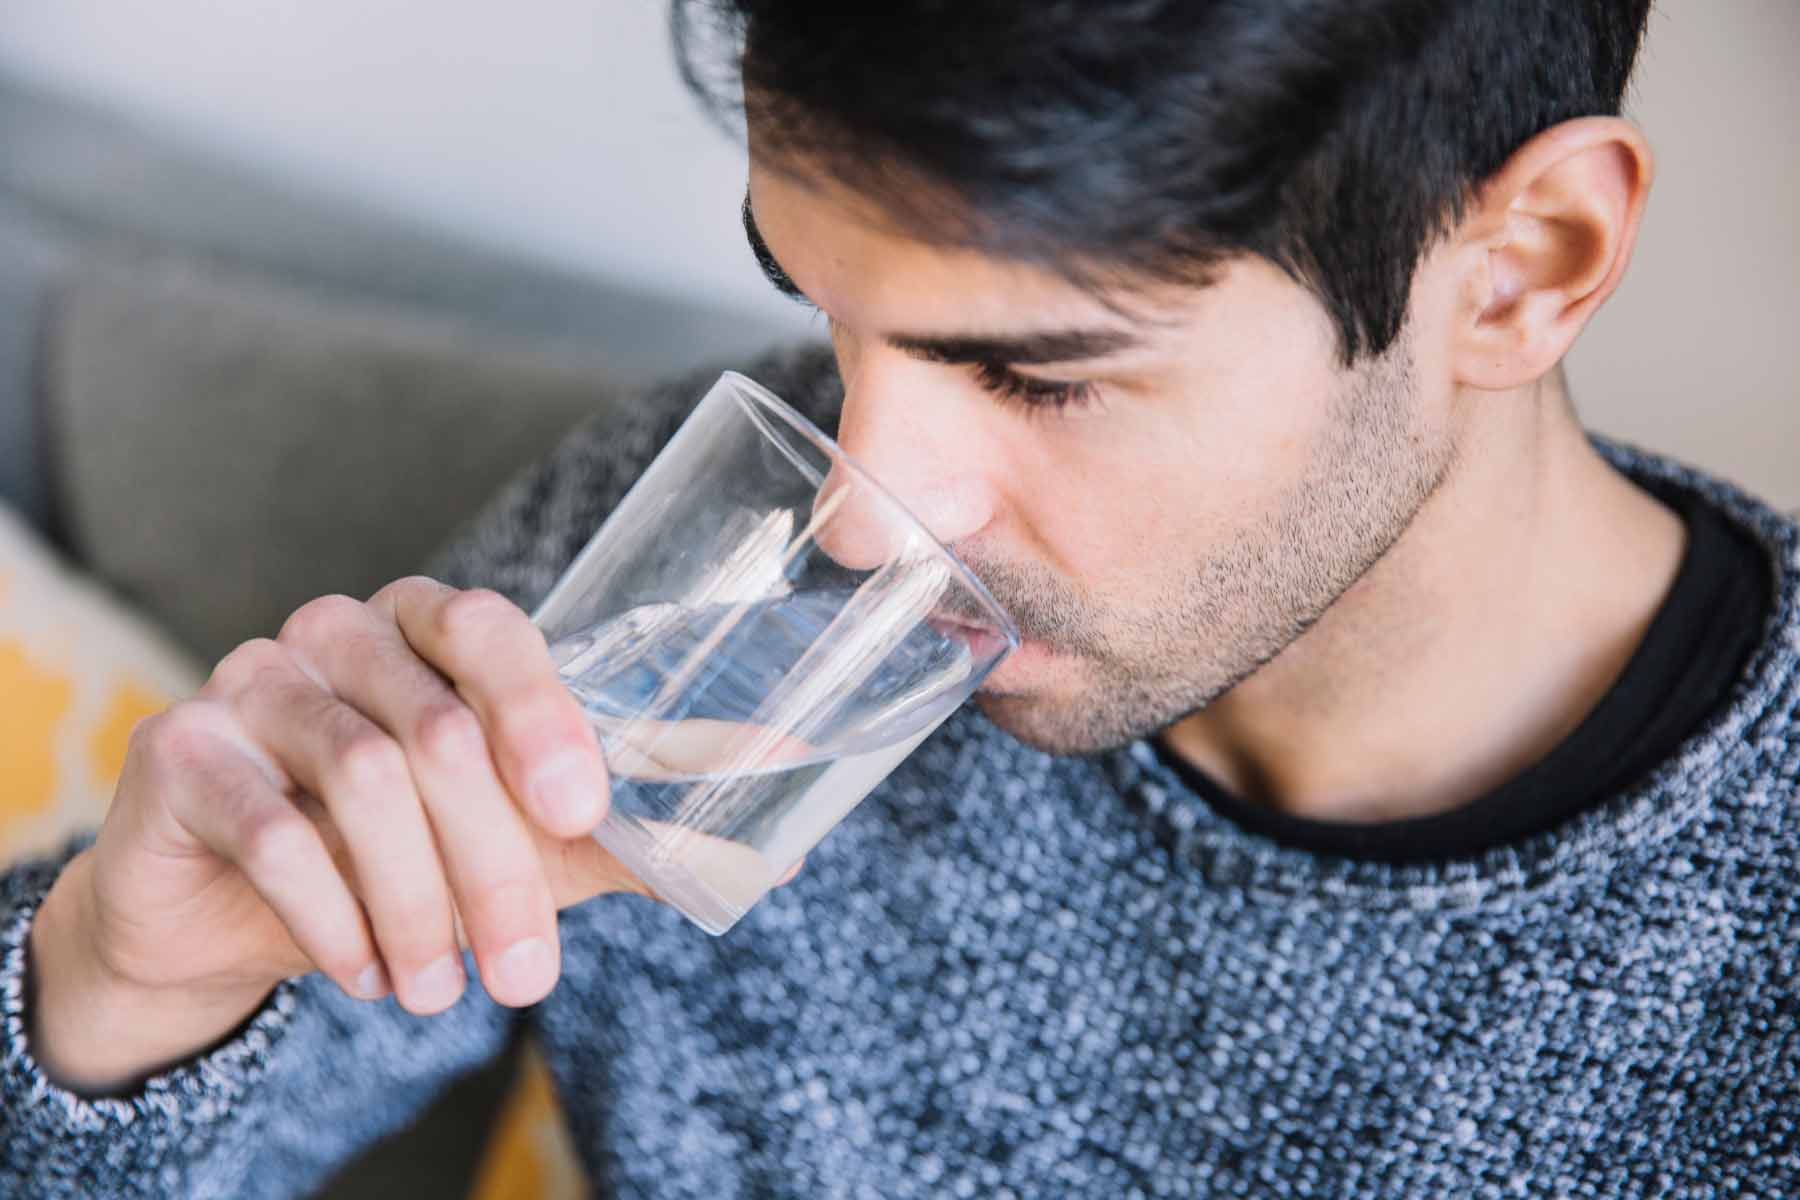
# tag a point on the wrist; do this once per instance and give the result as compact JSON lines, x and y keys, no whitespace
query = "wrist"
{"x":95,"y":1031}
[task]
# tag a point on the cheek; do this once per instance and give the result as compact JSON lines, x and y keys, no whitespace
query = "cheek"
{"x":1171,"y":479}
{"x":1255,"y":423}
{"x":1116,"y":533}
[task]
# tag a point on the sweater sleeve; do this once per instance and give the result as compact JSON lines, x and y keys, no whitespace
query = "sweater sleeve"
{"x":311,"y":1079}
{"x":314,"y":1076}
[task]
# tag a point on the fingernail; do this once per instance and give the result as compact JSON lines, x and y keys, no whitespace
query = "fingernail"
{"x":566,"y":792}
{"x":525,"y":967}
{"x":438,"y":985}
{"x":372,"y":984}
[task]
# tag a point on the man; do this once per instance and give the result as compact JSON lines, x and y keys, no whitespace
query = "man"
{"x":1393,"y":795}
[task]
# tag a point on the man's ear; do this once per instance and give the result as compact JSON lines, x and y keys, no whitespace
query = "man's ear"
{"x":1544,"y":243}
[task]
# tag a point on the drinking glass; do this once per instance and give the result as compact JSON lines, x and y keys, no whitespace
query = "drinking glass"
{"x":759,"y":633}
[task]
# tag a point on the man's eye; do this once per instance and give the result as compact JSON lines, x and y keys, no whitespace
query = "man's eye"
{"x":1033,"y":394}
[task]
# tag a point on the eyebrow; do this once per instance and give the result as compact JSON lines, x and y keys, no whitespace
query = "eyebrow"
{"x":1022,"y":349}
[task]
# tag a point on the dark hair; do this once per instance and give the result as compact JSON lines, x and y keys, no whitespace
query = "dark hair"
{"x":1150,"y":139}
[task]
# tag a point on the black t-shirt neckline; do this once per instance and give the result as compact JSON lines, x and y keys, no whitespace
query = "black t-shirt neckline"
{"x":1682,"y":672}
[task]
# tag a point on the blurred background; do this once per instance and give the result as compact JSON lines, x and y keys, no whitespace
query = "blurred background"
{"x":559,"y":136}
{"x":289,"y":287}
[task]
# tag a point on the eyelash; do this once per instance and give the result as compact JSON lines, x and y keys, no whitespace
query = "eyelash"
{"x":1029,"y":393}
{"x":1037,"y":397}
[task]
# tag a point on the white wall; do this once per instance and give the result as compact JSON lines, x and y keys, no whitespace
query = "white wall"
{"x":1699,"y":352}
{"x":558,"y":128}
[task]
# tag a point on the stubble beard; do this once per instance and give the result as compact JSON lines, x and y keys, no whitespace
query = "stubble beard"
{"x":1213,"y":624}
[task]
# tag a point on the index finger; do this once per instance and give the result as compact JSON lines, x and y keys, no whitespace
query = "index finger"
{"x":543,"y":746}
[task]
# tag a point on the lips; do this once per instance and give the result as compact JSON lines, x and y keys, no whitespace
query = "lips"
{"x":981,"y":641}
{"x":1018,"y":673}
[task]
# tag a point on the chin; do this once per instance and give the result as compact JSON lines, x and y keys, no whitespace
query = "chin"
{"x":1011,"y":711}
{"x":1031,"y":694}
{"x":1056,"y":704}
{"x":1045,"y":723}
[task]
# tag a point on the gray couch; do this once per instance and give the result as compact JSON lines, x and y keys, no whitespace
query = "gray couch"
{"x":222,"y":397}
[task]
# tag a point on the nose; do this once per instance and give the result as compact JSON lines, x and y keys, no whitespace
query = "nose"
{"x":911,"y":430}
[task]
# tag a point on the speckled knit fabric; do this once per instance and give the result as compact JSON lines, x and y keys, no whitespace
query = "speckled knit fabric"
{"x":1015,"y":975}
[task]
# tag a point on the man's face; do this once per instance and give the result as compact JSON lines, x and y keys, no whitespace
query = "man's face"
{"x":1211,"y":484}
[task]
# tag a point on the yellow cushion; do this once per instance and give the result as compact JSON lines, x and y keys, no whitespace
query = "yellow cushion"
{"x":77,"y":671}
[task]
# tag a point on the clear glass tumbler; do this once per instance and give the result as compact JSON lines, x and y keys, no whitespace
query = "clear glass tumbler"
{"x":759,"y":634}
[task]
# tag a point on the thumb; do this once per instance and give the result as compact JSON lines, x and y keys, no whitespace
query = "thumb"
{"x":580,"y":868}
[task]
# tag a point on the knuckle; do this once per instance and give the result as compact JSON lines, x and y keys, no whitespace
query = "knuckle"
{"x":539,"y":715}
{"x":388,"y":590}
{"x":247,"y":663}
{"x":319,"y":619}
{"x":419,"y":587}
{"x":475,"y":613}
{"x":530,"y":635}
{"x":271,"y":841}
{"x":172,"y":738}
{"x":448,"y":731}
{"x":368,"y":762}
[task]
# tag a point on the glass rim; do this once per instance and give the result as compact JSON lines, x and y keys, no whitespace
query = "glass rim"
{"x":827,"y":444}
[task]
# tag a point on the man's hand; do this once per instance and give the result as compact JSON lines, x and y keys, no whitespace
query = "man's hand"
{"x":379,"y":781}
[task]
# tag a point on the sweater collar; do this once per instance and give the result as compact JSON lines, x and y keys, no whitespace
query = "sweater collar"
{"x":1718,"y":767}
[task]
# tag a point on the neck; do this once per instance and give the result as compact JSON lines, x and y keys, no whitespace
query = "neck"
{"x":1484,"y":636}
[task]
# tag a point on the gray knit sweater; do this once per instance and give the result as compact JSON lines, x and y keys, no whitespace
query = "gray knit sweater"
{"x":1009,"y":974}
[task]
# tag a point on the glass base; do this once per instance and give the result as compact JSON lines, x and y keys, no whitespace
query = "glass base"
{"x":635,"y":846}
